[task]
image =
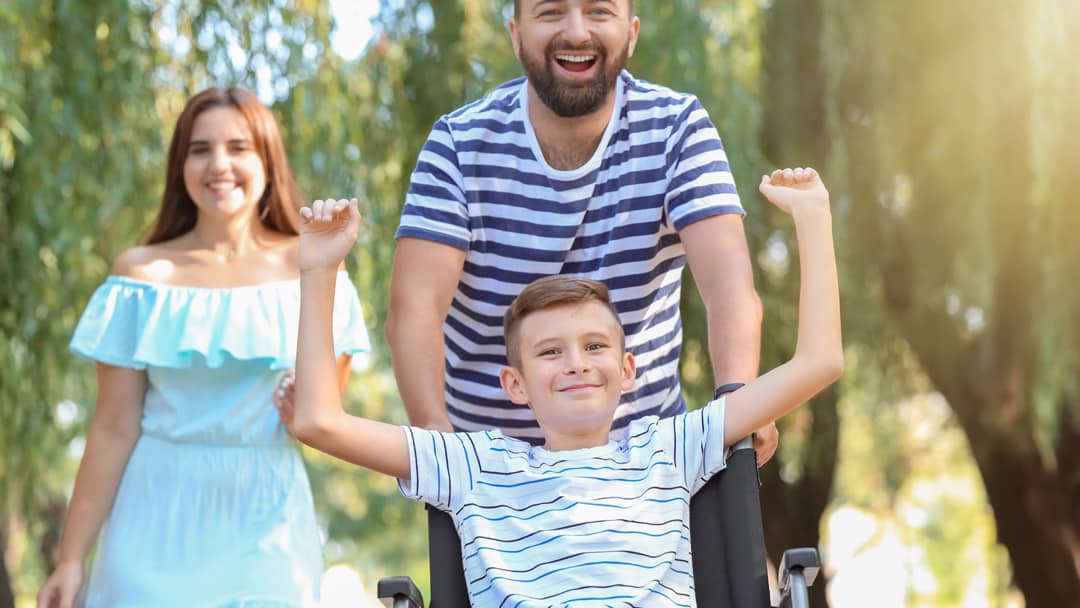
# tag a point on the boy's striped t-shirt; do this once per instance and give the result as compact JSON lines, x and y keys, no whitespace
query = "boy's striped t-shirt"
{"x":481,"y":184}
{"x":592,"y":527}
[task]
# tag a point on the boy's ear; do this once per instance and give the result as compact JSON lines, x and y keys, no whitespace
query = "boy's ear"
{"x":513,"y":383}
{"x":629,"y":371}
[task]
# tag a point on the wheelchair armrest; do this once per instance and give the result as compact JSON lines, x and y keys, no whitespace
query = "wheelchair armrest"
{"x":399,"y":592}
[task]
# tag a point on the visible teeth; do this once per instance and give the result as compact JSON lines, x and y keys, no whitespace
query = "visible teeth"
{"x":575,"y":58}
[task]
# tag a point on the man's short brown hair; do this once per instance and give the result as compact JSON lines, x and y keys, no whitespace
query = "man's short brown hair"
{"x":517,"y":8}
{"x":550,"y":292}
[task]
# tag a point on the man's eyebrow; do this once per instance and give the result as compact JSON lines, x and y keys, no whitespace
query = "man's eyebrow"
{"x":543,"y":2}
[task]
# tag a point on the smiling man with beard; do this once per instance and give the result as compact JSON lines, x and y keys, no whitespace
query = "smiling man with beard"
{"x":577,"y":168}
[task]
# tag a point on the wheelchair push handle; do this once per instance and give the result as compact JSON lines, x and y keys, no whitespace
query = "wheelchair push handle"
{"x":399,"y":592}
{"x":798,"y":570}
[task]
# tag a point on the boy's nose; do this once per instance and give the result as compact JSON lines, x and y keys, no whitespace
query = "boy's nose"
{"x":576,"y":362}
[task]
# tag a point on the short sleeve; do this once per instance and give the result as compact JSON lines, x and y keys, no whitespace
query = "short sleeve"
{"x":350,"y":330}
{"x":701,"y":184}
{"x":443,"y":467}
{"x":137,"y":324}
{"x":111,"y":328}
{"x":699,"y":443}
{"x":435,"y":205}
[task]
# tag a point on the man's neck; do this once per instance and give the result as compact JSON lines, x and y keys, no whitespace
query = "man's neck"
{"x":568,"y":143}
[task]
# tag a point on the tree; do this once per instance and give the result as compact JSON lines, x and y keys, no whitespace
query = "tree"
{"x":798,"y":487}
{"x":961,"y":202}
{"x":73,"y":156}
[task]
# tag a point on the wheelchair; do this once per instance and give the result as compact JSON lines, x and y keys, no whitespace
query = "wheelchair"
{"x":726,"y":537}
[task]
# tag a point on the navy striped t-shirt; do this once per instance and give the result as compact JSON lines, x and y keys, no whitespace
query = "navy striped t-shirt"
{"x":481,"y":184}
{"x":599,"y":526}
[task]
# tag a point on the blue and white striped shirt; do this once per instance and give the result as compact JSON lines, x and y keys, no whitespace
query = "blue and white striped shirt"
{"x":600,"y":526}
{"x":481,"y":184}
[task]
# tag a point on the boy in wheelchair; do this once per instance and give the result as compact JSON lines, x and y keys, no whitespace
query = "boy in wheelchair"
{"x":585,"y":519}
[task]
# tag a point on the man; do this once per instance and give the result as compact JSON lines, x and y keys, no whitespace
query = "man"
{"x":579,"y":168}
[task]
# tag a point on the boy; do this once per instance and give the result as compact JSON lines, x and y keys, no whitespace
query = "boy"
{"x":582,"y":520}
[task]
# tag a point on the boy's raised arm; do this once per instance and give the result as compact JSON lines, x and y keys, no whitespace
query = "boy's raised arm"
{"x":819,"y":353}
{"x":328,"y":230}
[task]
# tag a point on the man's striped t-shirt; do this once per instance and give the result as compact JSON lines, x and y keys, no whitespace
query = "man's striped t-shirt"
{"x":599,"y":526}
{"x":481,"y":184}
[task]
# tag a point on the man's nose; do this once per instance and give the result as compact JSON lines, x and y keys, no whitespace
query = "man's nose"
{"x":576,"y":28}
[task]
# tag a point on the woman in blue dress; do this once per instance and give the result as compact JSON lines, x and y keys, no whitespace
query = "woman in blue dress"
{"x":189,"y":482}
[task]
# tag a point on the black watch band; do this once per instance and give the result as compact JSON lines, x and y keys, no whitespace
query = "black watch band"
{"x":727,"y":388}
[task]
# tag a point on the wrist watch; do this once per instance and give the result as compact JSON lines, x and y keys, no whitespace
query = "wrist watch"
{"x":727,"y":388}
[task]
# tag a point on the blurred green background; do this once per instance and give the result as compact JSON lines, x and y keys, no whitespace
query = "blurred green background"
{"x":943,"y":470}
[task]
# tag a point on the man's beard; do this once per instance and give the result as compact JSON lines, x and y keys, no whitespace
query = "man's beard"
{"x":579,"y":99}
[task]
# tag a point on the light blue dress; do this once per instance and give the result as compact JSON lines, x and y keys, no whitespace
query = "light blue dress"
{"x":214,"y":508}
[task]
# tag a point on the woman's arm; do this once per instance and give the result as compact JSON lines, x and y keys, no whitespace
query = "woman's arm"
{"x":113,"y":432}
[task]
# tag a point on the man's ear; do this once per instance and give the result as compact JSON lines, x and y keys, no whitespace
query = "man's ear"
{"x":629,"y":371}
{"x":511,"y":25}
{"x":635,"y":28}
{"x":513,"y":383}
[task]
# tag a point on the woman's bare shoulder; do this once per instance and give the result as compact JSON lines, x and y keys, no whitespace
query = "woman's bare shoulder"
{"x":145,"y":262}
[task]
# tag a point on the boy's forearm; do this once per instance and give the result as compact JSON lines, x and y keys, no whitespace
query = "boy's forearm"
{"x":319,"y":420}
{"x":317,"y":395}
{"x":819,"y":358}
{"x":819,"y":338}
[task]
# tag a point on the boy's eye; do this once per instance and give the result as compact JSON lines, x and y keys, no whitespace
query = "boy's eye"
{"x":547,"y":352}
{"x":596,"y":346}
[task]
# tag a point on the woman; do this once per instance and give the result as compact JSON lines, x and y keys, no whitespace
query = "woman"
{"x":205,"y":494}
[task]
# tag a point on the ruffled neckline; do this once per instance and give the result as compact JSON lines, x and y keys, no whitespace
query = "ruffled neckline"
{"x":137,"y":323}
{"x":126,"y":280}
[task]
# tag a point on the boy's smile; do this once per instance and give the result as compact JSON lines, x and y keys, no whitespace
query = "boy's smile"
{"x":573,"y":370}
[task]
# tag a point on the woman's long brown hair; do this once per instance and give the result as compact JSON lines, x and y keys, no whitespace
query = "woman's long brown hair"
{"x":281,"y":200}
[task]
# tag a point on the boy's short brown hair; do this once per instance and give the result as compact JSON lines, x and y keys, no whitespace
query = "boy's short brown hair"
{"x":549,"y":292}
